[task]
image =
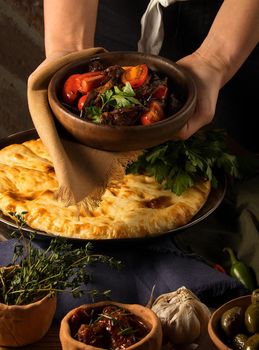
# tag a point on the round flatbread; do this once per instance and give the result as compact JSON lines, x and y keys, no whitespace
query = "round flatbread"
{"x":136,"y":207}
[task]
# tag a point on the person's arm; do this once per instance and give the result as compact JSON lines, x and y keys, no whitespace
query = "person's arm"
{"x":233,"y":35}
{"x":69,"y":25}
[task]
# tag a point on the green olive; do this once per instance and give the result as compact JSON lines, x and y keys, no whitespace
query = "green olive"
{"x":252,"y":313}
{"x":238,"y":341}
{"x":232,"y":321}
{"x":252,"y":342}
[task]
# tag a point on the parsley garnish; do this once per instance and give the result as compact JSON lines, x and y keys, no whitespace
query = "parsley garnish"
{"x":124,"y":98}
{"x":115,"y":98}
{"x":179,"y":164}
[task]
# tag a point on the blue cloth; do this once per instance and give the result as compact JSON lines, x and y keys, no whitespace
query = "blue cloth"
{"x":145,"y":264}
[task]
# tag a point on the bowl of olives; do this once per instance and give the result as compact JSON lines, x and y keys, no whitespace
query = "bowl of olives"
{"x":235,"y":325}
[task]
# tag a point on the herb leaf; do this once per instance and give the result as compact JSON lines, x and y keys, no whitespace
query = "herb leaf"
{"x":115,"y":98}
{"x":59,"y":268}
{"x":125,"y":97}
{"x":94,"y":113}
{"x":178,"y":164}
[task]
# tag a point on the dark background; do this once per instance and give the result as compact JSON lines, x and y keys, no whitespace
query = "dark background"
{"x":21,"y":50}
{"x":118,"y":28}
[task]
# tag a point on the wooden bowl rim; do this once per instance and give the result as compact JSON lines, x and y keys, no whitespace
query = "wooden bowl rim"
{"x":215,"y":317}
{"x":155,"y":325}
{"x":61,"y":73}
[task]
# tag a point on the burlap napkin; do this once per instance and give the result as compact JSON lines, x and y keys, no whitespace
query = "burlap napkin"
{"x":83,"y":173}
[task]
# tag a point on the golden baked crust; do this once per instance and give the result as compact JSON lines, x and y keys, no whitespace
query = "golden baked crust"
{"x":137,"y":207}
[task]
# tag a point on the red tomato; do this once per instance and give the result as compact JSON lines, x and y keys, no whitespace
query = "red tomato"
{"x":82,"y":83}
{"x":154,"y":114}
{"x":70,"y":89}
{"x":90,"y":81}
{"x":160,"y":92}
{"x":81,"y":101}
{"x":126,"y":67}
{"x":135,"y":75}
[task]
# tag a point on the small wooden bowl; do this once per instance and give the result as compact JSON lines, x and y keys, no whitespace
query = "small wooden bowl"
{"x":26,"y":324}
{"x":124,"y":138}
{"x":214,"y":330}
{"x":152,"y":341}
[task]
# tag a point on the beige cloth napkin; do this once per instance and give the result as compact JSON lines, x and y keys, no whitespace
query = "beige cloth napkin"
{"x":83,"y":173}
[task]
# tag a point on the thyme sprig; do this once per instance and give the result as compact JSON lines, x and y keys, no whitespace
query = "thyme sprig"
{"x":127,"y":331}
{"x":36,"y":272}
{"x":116,"y":319}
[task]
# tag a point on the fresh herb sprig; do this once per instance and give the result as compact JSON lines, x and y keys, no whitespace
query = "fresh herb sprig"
{"x":115,"y":98}
{"x":179,"y":164}
{"x":37,"y":272}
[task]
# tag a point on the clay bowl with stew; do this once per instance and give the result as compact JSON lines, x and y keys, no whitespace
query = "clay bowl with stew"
{"x":179,"y":105}
{"x":110,"y":325}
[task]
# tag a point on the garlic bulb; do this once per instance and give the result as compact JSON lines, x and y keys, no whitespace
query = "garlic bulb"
{"x":183,"y":316}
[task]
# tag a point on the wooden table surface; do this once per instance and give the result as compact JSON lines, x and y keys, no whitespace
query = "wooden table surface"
{"x":51,"y":342}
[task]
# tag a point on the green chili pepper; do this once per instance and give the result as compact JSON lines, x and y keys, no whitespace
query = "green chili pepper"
{"x":241,"y":271}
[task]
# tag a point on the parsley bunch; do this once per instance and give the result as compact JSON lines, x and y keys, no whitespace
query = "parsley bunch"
{"x":36,"y":272}
{"x":179,"y":164}
{"x":115,"y":98}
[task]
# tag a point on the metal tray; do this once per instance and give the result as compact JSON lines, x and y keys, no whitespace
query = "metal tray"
{"x":214,"y":200}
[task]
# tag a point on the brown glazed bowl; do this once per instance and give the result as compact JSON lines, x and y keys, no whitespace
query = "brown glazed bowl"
{"x":124,"y":138}
{"x":152,"y":341}
{"x":214,"y":329}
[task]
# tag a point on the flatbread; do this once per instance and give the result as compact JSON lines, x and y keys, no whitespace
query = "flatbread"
{"x":137,"y":207}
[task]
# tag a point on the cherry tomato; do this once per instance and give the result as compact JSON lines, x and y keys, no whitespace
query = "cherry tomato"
{"x":81,"y":101}
{"x":154,"y":114}
{"x":135,"y":75}
{"x":160,"y":92}
{"x":80,"y":83}
{"x":90,"y":81}
{"x":126,"y":67}
{"x":70,"y":89}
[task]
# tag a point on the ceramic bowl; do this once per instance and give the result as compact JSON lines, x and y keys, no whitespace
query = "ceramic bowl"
{"x":26,"y":324}
{"x":124,"y":138}
{"x":214,"y":328}
{"x":152,"y":341}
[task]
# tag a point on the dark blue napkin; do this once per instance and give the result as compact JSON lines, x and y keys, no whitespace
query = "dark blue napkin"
{"x":146,"y":263}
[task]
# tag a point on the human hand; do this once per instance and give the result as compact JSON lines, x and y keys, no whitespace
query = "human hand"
{"x":208,"y":78}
